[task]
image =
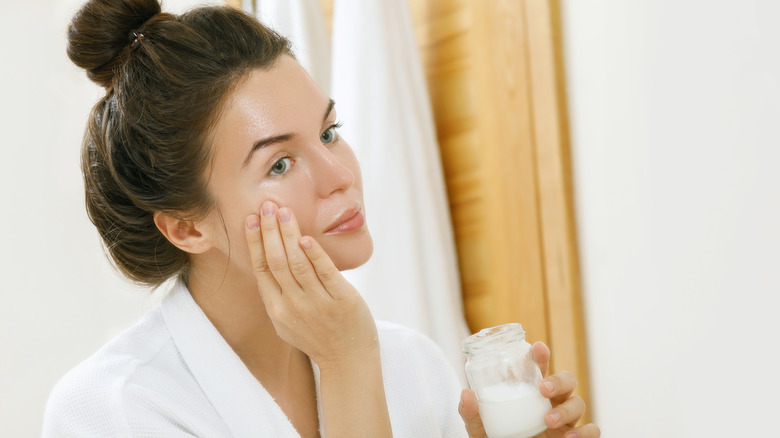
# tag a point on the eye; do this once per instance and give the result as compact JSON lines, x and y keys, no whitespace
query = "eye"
{"x":330,"y":134}
{"x":281,"y":166}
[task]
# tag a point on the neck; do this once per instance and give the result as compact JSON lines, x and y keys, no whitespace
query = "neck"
{"x":232,"y":302}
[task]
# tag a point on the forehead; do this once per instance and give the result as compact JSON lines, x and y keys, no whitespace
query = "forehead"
{"x":272,"y":101}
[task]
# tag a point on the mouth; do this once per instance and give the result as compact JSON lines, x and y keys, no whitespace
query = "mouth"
{"x":348,"y":221}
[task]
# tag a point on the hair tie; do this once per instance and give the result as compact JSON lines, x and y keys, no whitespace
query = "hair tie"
{"x":137,"y":38}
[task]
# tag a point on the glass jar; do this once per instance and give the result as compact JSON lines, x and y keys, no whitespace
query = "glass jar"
{"x":502,"y":371}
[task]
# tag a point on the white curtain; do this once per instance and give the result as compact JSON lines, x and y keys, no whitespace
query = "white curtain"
{"x":379,"y":87}
{"x":303,"y":23}
{"x":381,"y":97}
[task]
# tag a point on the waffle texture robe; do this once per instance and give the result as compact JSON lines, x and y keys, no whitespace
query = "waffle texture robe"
{"x":173,"y":375}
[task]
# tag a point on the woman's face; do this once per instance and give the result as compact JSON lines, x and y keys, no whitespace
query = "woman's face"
{"x":276,"y":140}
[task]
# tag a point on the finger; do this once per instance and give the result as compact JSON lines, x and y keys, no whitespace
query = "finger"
{"x":567,"y":413}
{"x":275,"y":254}
{"x":586,"y":431}
{"x":328,"y":274}
{"x":558,"y":387}
{"x":542,"y":356}
{"x":469,"y":411}
{"x":300,"y":266}
{"x":266,"y":284}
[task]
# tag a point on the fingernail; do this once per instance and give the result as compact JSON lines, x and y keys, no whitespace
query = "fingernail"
{"x":284,"y":215}
{"x":269,"y":208}
{"x":549,"y":385}
{"x":571,"y":434}
{"x":306,"y":243}
{"x":555,"y":417}
{"x":253,"y":223}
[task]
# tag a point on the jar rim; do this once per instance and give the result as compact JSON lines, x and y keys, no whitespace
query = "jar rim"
{"x":491,"y":337}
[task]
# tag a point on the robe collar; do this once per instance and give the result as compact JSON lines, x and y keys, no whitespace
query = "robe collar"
{"x":243,"y":403}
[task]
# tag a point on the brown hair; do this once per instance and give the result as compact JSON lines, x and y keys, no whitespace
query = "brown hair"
{"x":145,"y":146}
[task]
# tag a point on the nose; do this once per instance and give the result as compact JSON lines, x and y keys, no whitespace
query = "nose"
{"x":330,"y":171}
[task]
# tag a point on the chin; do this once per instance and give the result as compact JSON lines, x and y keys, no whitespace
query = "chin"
{"x":353,"y":255}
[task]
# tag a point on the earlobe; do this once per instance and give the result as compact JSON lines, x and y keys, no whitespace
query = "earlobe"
{"x":183,"y":234}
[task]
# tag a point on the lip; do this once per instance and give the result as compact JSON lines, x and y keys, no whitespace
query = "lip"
{"x":348,"y":221}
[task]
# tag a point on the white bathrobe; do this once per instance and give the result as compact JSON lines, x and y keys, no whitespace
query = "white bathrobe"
{"x":173,"y":375}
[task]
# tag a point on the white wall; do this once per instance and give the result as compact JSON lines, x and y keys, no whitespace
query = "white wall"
{"x":675,"y":108}
{"x":59,"y":299}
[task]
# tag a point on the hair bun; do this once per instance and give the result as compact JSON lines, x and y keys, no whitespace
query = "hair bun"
{"x":101,"y":30}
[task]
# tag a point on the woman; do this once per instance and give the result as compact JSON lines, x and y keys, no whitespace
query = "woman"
{"x":215,"y":159}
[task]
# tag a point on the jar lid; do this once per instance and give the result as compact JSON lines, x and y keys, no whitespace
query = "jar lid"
{"x":489,"y":338}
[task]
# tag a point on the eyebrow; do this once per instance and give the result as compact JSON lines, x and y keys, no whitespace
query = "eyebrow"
{"x":331,"y":104}
{"x":281,"y":138}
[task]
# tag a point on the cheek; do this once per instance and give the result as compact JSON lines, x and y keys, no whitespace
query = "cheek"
{"x":291,"y":194}
{"x":305,"y":215}
{"x":231,"y":236}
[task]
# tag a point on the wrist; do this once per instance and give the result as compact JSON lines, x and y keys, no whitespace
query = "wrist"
{"x":353,"y":396}
{"x":350,"y":365}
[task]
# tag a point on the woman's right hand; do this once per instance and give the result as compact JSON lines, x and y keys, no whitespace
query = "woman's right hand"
{"x":311,"y":305}
{"x":316,"y":310}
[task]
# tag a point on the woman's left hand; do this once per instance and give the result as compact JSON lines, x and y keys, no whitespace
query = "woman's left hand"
{"x":561,"y":420}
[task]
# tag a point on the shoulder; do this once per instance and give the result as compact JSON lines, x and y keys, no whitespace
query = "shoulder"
{"x":89,"y":399}
{"x":394,"y":333}
{"x":421,"y":387}
{"x":403,"y":348}
{"x":406,"y":342}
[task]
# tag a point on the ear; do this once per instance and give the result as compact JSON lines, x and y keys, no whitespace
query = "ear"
{"x":184,"y":234}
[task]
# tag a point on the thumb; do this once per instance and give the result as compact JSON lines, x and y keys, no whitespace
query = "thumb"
{"x":469,"y":411}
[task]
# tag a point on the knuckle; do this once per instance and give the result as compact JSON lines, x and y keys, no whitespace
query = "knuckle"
{"x":590,"y":430}
{"x":578,"y":404}
{"x":268,"y":224}
{"x":572,"y":409}
{"x":572,"y":379}
{"x":328,"y":275}
{"x":565,"y":413}
{"x":315,"y":255}
{"x":276,"y":263}
{"x":299,"y":306}
{"x":260,"y":266}
{"x":298,"y":266}
{"x":565,"y":380}
{"x":278,"y":313}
